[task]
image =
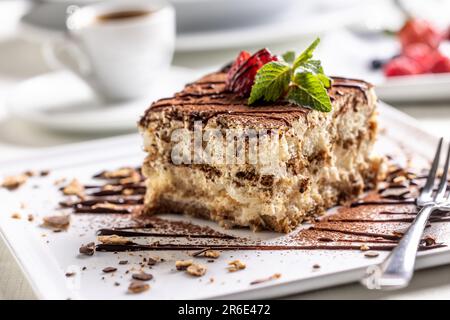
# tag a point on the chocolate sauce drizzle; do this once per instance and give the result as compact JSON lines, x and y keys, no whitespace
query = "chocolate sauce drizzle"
{"x":118,"y":197}
{"x":124,"y":233}
{"x":176,"y":247}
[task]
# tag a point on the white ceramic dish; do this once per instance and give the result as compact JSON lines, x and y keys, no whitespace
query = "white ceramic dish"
{"x":303,"y":19}
{"x":45,"y":260}
{"x":62,"y":101}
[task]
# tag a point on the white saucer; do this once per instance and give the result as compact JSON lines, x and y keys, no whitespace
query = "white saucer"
{"x":293,"y":24}
{"x":61,"y":101}
{"x":303,"y":19}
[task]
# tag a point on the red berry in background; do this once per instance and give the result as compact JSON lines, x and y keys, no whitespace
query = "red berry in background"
{"x":418,"y":30}
{"x":240,"y":79}
{"x":421,"y":53}
{"x":402,"y":66}
{"x":442,"y":65}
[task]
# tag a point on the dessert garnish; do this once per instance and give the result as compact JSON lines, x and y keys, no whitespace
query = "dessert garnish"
{"x":298,"y":79}
{"x":241,"y":75}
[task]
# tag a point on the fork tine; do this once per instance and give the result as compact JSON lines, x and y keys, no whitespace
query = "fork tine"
{"x":443,"y":183}
{"x":427,"y":190}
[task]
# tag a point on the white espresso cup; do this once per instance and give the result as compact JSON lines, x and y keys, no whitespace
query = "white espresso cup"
{"x":120,"y":48}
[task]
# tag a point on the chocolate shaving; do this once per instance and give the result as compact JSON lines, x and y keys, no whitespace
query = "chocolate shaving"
{"x":88,"y":249}
{"x":109,"y":269}
{"x":142,"y":276}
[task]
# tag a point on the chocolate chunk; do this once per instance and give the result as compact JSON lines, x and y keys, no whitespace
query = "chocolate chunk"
{"x":122,"y":262}
{"x":88,"y":249}
{"x":109,"y":269}
{"x":371,"y":254}
{"x":142,"y":276}
{"x":44,"y":173}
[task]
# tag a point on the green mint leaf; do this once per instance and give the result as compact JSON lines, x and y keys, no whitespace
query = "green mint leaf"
{"x":289,"y":57}
{"x":271,"y":82}
{"x":308,"y":90}
{"x":315,"y":67}
{"x":306,"y":55}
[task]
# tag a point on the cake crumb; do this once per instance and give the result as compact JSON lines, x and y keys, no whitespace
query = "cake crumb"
{"x":272,"y":277}
{"x":14,"y":182}
{"x":183,"y":264}
{"x":16,"y":215}
{"x":214,"y":254}
{"x":59,"y":181}
{"x":61,"y":222}
{"x":197,"y":270}
{"x":428,"y":240}
{"x":30,"y":218}
{"x":113,"y":239}
{"x":236,"y":265}
{"x":316,"y":266}
{"x":152,"y":261}
{"x":138,"y":287}
{"x":74,"y":188}
{"x":364,"y":247}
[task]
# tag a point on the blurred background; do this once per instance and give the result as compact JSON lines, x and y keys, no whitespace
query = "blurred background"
{"x":43,"y":104}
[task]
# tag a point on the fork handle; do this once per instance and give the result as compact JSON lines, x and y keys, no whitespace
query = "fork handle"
{"x":397,"y":269}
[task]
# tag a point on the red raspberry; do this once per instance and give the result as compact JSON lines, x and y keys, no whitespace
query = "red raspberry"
{"x":240,"y":79}
{"x":442,"y":65}
{"x":402,"y":66}
{"x":420,"y":31}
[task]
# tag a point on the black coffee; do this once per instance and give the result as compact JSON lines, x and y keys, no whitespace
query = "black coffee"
{"x":122,"y":15}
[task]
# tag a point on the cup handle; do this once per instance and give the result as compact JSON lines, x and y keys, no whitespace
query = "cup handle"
{"x":65,"y":53}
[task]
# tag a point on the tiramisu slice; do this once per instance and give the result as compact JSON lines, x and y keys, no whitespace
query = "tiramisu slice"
{"x":265,"y":166}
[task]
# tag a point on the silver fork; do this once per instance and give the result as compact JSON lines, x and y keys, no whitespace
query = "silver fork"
{"x":397,"y":269}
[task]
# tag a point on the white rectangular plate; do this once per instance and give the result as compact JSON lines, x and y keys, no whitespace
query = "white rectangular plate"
{"x":46,"y":256}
